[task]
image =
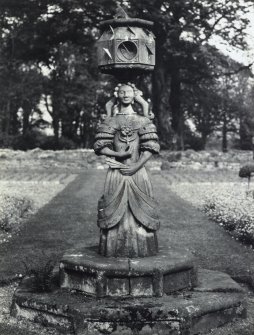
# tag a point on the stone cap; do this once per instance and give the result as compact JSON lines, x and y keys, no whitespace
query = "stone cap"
{"x":124,"y":22}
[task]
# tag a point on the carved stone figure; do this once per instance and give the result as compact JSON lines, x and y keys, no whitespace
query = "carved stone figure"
{"x":127,"y":213}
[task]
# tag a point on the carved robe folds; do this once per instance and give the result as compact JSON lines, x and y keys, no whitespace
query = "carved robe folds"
{"x":127,"y":213}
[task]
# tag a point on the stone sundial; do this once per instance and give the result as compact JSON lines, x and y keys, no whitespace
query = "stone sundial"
{"x":129,"y":283}
{"x":129,"y":261}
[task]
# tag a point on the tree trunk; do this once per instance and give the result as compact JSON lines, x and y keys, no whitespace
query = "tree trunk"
{"x":14,"y":123}
{"x":55,"y":117}
{"x":67,"y":129}
{"x":224,"y":134}
{"x":245,"y":134}
{"x":26,"y":114}
{"x":55,"y":124}
{"x":160,"y":109}
{"x":7,"y":118}
{"x":204,"y":140}
{"x":175,"y":103}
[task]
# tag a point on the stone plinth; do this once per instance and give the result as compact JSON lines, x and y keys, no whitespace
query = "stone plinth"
{"x":87,"y":271}
{"x":185,"y":313}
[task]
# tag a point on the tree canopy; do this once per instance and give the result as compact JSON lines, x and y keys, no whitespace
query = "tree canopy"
{"x":48,"y":53}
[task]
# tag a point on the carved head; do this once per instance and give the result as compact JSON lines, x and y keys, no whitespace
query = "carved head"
{"x":125,"y":94}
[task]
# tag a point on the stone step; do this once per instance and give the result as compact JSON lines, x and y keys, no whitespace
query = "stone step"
{"x":185,"y":313}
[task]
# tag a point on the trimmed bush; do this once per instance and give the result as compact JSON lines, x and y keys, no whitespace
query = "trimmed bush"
{"x":246,"y":171}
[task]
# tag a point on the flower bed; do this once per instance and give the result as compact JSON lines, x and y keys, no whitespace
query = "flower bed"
{"x":20,"y":199}
{"x":12,"y":210}
{"x":227,"y":203}
{"x":234,"y":210}
{"x":86,"y":158}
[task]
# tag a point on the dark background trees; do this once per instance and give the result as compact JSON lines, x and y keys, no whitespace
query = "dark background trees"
{"x":183,"y":29}
{"x":48,"y":56}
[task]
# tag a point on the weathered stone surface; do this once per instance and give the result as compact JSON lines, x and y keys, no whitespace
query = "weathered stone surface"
{"x":31,"y":312}
{"x":216,"y":281}
{"x":141,"y":328}
{"x":187,"y":313}
{"x":85,"y":270}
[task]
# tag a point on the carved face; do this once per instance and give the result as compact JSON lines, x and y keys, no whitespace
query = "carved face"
{"x":126,"y":94}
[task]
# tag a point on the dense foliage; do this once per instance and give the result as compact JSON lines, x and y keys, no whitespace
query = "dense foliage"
{"x":48,"y":60}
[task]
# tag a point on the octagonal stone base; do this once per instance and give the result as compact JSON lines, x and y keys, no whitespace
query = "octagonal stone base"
{"x":86,"y":271}
{"x":216,"y":300}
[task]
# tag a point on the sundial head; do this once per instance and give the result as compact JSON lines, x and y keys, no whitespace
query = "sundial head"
{"x":120,"y":13}
{"x":126,"y":46}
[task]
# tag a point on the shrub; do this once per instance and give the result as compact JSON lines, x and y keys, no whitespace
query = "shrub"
{"x":30,"y":140}
{"x":6,"y":140}
{"x":62,"y":143}
{"x":41,"y":275}
{"x":12,"y":210}
{"x":192,"y":141}
{"x":246,"y":171}
{"x":174,"y":156}
{"x":35,"y":139}
{"x":166,"y":166}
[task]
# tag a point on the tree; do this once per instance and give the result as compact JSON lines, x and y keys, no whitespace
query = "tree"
{"x":244,"y":95}
{"x":182,"y":29}
{"x":201,"y":105}
{"x":59,"y":35}
{"x":21,"y":87}
{"x":20,"y":82}
{"x":49,"y":33}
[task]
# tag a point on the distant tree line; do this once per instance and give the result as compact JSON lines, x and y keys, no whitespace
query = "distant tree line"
{"x":48,"y":57}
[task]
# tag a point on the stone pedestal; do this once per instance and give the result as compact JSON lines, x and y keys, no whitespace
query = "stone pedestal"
{"x":158,"y":295}
{"x":86,"y":271}
{"x":216,"y":300}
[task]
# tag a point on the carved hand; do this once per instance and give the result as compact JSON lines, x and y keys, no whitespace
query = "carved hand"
{"x":130,"y":169}
{"x":124,"y":154}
